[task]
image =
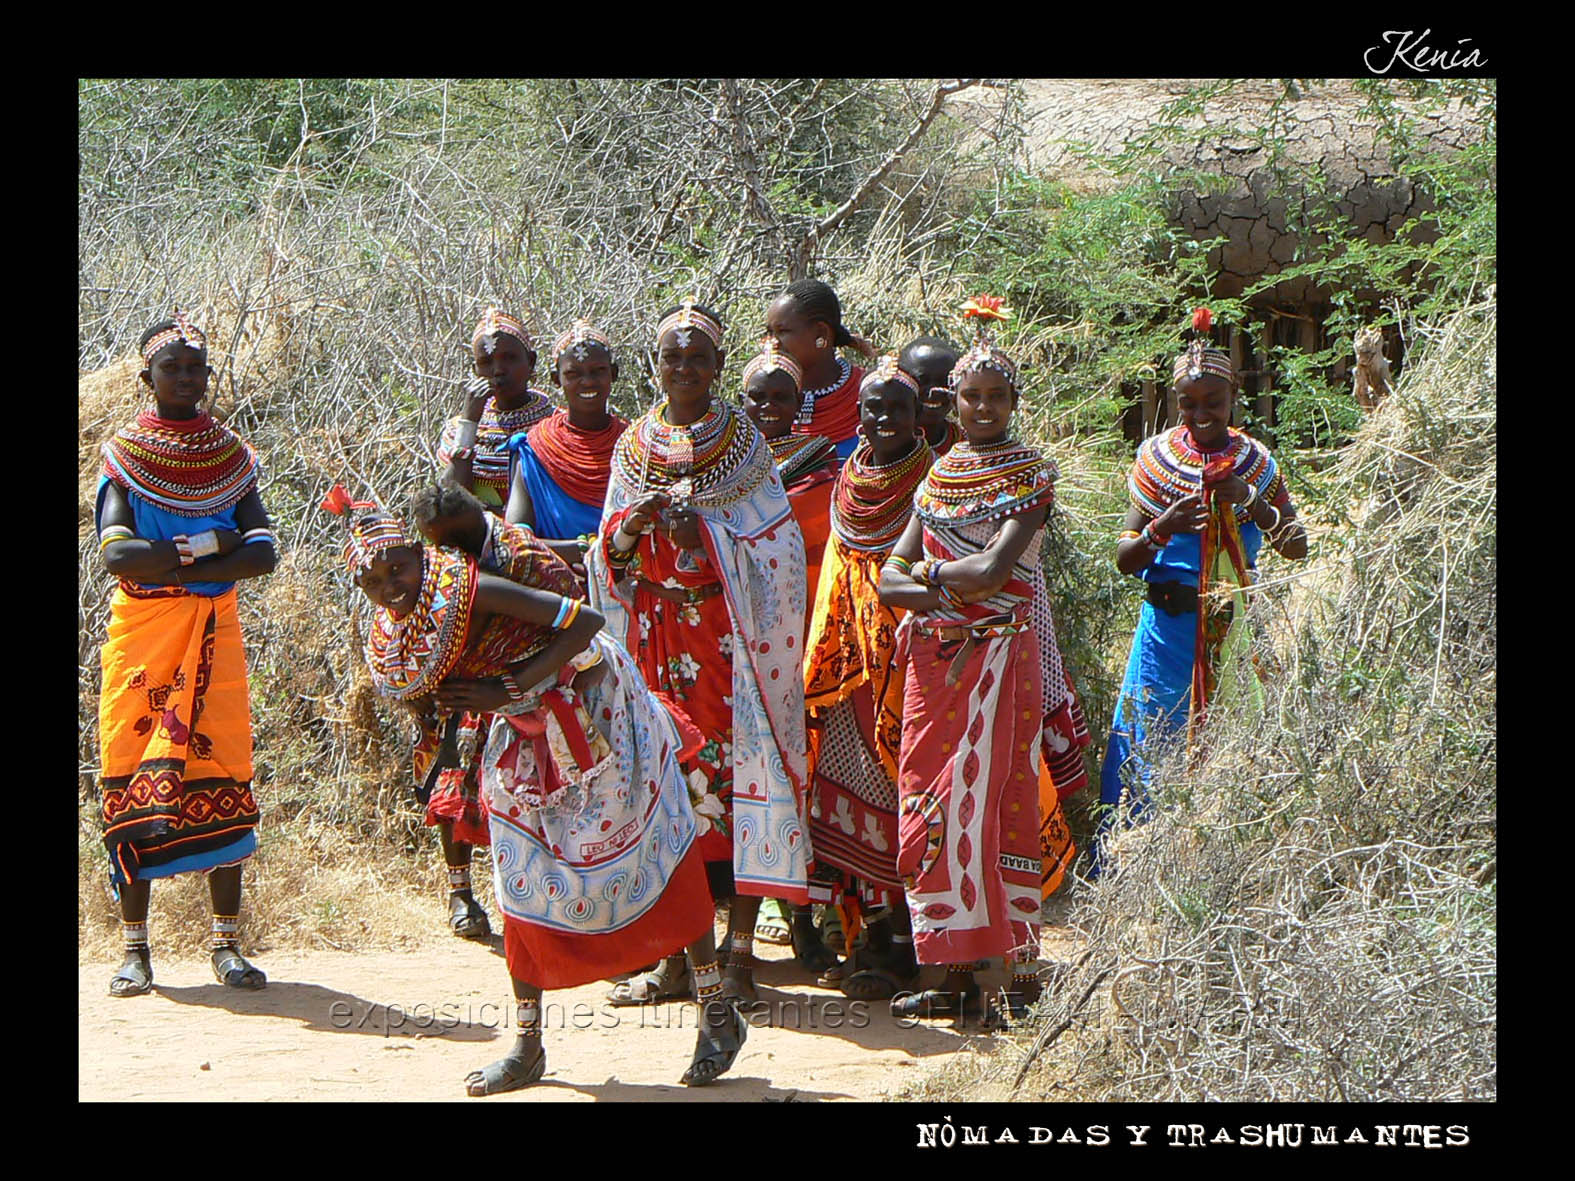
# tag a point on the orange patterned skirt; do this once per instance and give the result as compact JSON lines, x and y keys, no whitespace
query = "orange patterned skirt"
{"x":175,"y":735}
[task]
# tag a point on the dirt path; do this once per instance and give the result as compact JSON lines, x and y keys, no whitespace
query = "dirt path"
{"x":410,"y":1025}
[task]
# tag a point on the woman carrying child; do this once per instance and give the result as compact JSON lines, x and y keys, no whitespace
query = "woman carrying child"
{"x":596,"y":863}
{"x":180,"y":522}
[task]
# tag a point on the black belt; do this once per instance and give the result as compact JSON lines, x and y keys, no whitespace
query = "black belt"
{"x":1173,"y":598}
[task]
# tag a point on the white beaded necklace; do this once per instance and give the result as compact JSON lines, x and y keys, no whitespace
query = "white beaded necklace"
{"x":807,"y":411}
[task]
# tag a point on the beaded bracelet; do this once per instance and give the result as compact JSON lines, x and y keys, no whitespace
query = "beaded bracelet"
{"x":620,"y":557}
{"x":1252,"y":495}
{"x":951,"y":597}
{"x":513,"y":686}
{"x":255,"y":535}
{"x":114,"y":533}
{"x":1279,"y":519}
{"x":1153,"y":539}
{"x":568,"y":612}
{"x":183,"y":549}
{"x":901,"y":565}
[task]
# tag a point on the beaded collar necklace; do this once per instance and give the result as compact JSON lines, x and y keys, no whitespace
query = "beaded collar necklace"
{"x":695,"y":463}
{"x":997,"y":480}
{"x":796,"y":455}
{"x":807,"y":411}
{"x":872,"y":502}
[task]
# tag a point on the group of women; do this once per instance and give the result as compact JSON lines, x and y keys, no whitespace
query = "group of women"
{"x":796,"y":649}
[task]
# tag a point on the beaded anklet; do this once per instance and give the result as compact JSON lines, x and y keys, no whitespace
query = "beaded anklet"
{"x":527,"y":1019}
{"x":135,"y":935}
{"x":226,"y":927}
{"x":708,"y":982}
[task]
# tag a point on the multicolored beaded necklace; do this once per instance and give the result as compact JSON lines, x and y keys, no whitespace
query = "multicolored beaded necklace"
{"x":711,"y":461}
{"x":409,"y":656}
{"x":871,"y":504}
{"x":1170,"y":466}
{"x":798,"y":455}
{"x":192,"y":467}
{"x":491,"y":462}
{"x":988,"y":482}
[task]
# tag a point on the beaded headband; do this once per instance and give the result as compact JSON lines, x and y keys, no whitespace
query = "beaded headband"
{"x":372,"y":530}
{"x":770,"y":359}
{"x":493,"y":322}
{"x":1199,"y":359}
{"x":184,"y":332}
{"x":982,"y":354}
{"x":886,"y":371}
{"x":688,"y":317}
{"x":581,"y":333}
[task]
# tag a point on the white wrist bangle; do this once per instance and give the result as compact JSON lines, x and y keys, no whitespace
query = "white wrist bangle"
{"x":1252,"y":495}
{"x":204,"y":544}
{"x":464,"y":434}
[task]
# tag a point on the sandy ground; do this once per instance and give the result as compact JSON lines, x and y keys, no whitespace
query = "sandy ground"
{"x":410,"y":1025}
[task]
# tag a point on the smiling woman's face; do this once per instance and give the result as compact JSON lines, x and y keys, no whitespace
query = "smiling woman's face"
{"x":393,"y":579}
{"x":1205,"y":404}
{"x":686,"y":371}
{"x":985,"y":401}
{"x":772,"y":402}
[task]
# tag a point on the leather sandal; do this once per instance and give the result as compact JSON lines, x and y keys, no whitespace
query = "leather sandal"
{"x":715,"y":1053}
{"x":231,"y":970}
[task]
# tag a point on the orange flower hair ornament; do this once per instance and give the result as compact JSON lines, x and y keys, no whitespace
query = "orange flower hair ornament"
{"x":986,"y":307}
{"x":982,"y":310}
{"x":370,"y":529}
{"x":1198,"y":359}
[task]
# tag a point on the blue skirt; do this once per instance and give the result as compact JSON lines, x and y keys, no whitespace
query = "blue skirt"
{"x":1155,"y":695}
